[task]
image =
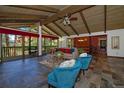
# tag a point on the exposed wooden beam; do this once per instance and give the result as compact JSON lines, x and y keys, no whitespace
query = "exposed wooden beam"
{"x":40,"y":8}
{"x":46,"y":31}
{"x":70,"y":10}
{"x":74,"y":30}
{"x":43,"y":32}
{"x":53,"y":31}
{"x":16,"y":24}
{"x":85,"y":22}
{"x":18,"y":21}
{"x":61,"y":28}
{"x":105,"y":14}
{"x":7,"y":19}
{"x":21,"y":15}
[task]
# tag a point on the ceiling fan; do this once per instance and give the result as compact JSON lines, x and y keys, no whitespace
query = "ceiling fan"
{"x":66,"y":20}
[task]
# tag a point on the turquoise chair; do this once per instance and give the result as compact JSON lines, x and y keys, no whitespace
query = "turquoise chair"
{"x":64,"y":77}
{"x":85,"y":62}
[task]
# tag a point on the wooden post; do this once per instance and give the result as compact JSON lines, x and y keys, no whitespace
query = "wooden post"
{"x":0,"y":48}
{"x":57,"y":43}
{"x":90,"y":45}
{"x":29,"y":45}
{"x":105,"y":14}
{"x":37,"y":46}
{"x":15,"y":45}
{"x":7,"y":40}
{"x":23,"y":47}
{"x":7,"y":45}
{"x":44,"y":44}
{"x":51,"y":45}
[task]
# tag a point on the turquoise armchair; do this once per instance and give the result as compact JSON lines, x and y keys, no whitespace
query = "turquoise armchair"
{"x":85,"y":62}
{"x":64,"y":77}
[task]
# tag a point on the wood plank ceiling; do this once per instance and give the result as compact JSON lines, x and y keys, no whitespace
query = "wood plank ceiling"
{"x":90,"y":18}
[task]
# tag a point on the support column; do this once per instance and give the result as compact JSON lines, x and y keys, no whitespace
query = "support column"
{"x":23,"y":47}
{"x":57,"y":43}
{"x":29,"y":46}
{"x":44,"y":45}
{"x":90,"y":45}
{"x":40,"y":40}
{"x":0,"y":48}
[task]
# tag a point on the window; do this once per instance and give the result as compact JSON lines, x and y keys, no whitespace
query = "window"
{"x":115,"y":42}
{"x":103,"y":44}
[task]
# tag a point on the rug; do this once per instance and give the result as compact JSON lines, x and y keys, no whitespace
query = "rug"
{"x":49,"y":61}
{"x":49,"y":64}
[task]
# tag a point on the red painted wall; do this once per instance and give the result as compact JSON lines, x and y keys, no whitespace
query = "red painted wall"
{"x":82,"y":42}
{"x":95,"y":40}
{"x":86,"y":44}
{"x":79,"y":43}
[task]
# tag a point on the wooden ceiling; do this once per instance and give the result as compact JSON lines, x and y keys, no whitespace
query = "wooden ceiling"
{"x":91,"y":18}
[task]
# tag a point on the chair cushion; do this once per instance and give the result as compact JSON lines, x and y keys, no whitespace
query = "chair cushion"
{"x":83,"y":55}
{"x":68,"y":63}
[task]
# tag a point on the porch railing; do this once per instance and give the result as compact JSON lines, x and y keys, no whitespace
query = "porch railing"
{"x":47,"y":49}
{"x":17,"y":51}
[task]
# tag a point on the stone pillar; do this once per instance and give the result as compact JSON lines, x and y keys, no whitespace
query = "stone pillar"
{"x":40,"y":40}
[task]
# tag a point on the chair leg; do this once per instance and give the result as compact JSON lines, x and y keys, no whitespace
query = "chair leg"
{"x":49,"y":86}
{"x":79,"y":76}
{"x":83,"y":72}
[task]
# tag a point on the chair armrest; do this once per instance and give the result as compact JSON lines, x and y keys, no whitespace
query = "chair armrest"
{"x":52,"y":76}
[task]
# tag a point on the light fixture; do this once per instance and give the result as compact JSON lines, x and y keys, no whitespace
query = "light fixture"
{"x":66,"y":21}
{"x":80,"y":40}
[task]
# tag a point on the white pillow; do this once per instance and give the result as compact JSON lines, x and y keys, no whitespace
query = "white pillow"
{"x":68,"y":63}
{"x":83,"y":55}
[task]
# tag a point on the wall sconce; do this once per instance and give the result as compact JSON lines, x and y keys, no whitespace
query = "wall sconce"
{"x":85,"y":39}
{"x":80,"y":40}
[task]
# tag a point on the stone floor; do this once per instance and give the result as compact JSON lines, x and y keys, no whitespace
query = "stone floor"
{"x":23,"y":74}
{"x":104,"y":72}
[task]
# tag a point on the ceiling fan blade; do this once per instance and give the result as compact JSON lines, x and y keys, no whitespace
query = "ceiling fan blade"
{"x":69,"y":15}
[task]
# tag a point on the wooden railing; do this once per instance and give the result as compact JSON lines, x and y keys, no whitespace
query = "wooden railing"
{"x":17,"y":51}
{"x":47,"y":49}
